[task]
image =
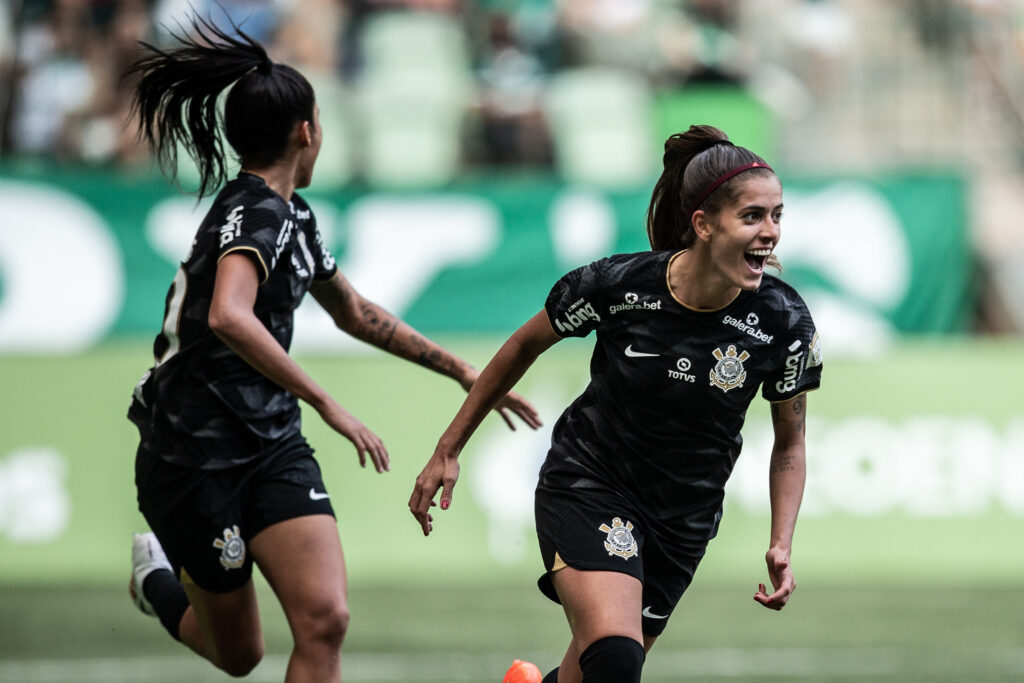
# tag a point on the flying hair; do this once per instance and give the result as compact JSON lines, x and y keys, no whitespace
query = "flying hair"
{"x":176,"y":99}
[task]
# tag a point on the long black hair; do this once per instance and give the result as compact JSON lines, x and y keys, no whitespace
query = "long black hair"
{"x":176,"y":100}
{"x":693,"y":161}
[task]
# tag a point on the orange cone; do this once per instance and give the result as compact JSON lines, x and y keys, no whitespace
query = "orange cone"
{"x":522,"y":672}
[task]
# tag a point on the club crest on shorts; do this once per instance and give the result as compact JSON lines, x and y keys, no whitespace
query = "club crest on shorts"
{"x":620,"y":539}
{"x":232,"y":548}
{"x":728,"y":372}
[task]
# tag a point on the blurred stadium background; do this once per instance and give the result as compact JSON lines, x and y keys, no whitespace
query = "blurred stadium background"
{"x":474,"y":151}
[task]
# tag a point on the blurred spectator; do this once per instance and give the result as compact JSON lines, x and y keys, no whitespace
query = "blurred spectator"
{"x":513,"y":130}
{"x":56,"y":77}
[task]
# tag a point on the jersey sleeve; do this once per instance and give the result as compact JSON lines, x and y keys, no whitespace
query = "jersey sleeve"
{"x":255,"y":231}
{"x":323,"y":260}
{"x":799,"y":367}
{"x":574,"y":302}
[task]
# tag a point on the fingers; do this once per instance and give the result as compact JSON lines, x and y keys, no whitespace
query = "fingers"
{"x":421,"y":501}
{"x":446,"y":494}
{"x":776,"y":600}
{"x":506,"y":418}
{"x":369,"y":444}
{"x":526,"y":412}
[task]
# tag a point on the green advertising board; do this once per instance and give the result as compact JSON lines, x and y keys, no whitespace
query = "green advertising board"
{"x":85,"y":258}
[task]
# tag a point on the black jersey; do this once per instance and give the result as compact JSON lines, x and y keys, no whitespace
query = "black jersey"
{"x":204,"y":405}
{"x":669,"y":386}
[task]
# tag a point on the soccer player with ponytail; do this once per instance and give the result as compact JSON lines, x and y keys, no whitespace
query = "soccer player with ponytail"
{"x":225,"y":478}
{"x":631,"y":491}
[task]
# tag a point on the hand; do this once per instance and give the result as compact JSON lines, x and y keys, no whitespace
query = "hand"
{"x":510,"y":402}
{"x":517,"y":404}
{"x":365,"y":441}
{"x":441,"y":470}
{"x":781,"y":575}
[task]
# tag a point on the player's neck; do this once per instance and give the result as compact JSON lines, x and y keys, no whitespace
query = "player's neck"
{"x":696,"y":284}
{"x":279,"y":177}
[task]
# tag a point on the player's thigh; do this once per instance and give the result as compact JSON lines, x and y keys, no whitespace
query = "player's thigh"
{"x":599,"y":604}
{"x":230,"y":621}
{"x":302,"y":560}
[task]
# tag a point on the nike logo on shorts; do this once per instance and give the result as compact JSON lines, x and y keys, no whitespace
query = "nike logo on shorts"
{"x":651,"y":615}
{"x":639,"y":354}
{"x":316,"y":495}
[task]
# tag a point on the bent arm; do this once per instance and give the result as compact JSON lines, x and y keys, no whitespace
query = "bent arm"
{"x":509,"y":364}
{"x":232,"y":319}
{"x":368,"y":322}
{"x":507,"y":367}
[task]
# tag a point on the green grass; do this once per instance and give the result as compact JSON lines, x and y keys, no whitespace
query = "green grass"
{"x":436,"y":633}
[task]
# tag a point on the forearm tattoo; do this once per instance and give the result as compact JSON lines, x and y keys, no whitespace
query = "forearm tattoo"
{"x":382,"y":329}
{"x":781,"y":463}
{"x":377,"y":325}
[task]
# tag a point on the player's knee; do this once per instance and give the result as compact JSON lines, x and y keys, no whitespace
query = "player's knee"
{"x":615,"y":659}
{"x":242,"y":658}
{"x":327,"y":625}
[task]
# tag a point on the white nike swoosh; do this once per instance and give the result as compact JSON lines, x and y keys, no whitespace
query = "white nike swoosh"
{"x":313,"y":495}
{"x":639,"y":354}
{"x":651,"y":615}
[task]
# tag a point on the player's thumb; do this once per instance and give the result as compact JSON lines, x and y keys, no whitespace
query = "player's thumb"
{"x":446,"y":496}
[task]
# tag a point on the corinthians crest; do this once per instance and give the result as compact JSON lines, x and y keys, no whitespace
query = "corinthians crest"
{"x":232,"y":548}
{"x":620,"y":539}
{"x":728,"y":372}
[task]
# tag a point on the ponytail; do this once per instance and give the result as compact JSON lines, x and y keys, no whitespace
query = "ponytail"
{"x":695,"y":165}
{"x":176,"y":100}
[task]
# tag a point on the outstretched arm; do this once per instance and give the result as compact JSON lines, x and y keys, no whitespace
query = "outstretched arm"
{"x":786,"y":476}
{"x":511,"y":362}
{"x":232,"y":319}
{"x":368,"y":322}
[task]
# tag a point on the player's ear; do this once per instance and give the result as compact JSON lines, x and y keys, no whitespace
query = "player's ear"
{"x":304,"y":133}
{"x":701,"y":225}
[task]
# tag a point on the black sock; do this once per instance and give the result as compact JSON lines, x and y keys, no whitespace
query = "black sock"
{"x":167,"y":595}
{"x":615,"y":659}
{"x":552,"y":676}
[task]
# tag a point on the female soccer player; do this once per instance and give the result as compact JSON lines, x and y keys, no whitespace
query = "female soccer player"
{"x":225,"y":478}
{"x":632,"y":488}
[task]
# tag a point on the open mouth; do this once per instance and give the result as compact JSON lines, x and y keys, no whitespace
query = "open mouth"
{"x":756,"y":258}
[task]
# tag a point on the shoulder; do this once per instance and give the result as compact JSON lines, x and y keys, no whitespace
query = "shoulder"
{"x":633,"y":267}
{"x":300,"y":208}
{"x":779,"y":294}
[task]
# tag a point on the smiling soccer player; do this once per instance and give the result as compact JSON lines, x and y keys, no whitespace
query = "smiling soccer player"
{"x":632,"y":489}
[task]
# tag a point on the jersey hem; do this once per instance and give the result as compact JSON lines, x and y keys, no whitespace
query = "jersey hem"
{"x":263,"y":264}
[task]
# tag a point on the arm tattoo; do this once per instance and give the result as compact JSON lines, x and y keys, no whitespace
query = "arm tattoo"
{"x":782,"y":463}
{"x":378,"y":326}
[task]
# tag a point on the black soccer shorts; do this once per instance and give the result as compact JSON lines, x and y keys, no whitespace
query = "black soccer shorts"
{"x":204,"y":519}
{"x":597,"y":529}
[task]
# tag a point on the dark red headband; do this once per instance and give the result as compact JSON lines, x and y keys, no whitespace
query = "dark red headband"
{"x":724,"y":177}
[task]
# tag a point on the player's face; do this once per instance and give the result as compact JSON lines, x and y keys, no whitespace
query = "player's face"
{"x":307,"y":158}
{"x":747,"y":231}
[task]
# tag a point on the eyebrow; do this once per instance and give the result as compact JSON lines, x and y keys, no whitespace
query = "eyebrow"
{"x":758,"y":207}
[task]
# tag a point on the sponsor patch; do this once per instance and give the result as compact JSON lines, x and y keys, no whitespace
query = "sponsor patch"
{"x":750,"y":327}
{"x":814,"y":356}
{"x":233,"y":228}
{"x":619,"y":540}
{"x":632,"y":303}
{"x":579,"y":313}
